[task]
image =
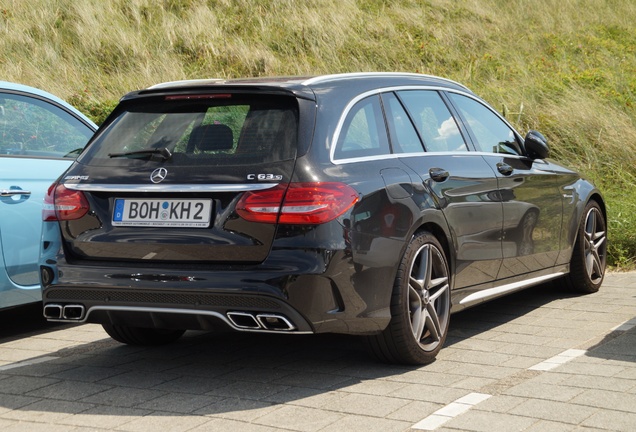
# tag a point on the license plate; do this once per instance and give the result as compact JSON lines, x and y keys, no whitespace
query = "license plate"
{"x":194,"y":213}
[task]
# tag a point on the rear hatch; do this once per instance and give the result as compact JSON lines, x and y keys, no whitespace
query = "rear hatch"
{"x":161,"y":181}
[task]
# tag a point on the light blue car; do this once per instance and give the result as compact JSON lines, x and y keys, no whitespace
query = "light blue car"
{"x":40,"y":136}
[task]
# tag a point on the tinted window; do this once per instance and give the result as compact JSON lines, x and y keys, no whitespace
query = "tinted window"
{"x":222,"y":130}
{"x":433,"y":120}
{"x":363,"y":132}
{"x":404,"y":138}
{"x":33,"y":127}
{"x":492,"y":134}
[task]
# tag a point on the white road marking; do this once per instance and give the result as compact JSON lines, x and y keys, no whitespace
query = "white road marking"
{"x":450,"y":411}
{"x":558,"y":360}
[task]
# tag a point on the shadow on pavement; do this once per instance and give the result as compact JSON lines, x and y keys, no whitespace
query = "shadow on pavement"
{"x":494,"y":313}
{"x":223,"y":374}
{"x":23,"y":321}
{"x":201,"y":374}
{"x":619,"y":345}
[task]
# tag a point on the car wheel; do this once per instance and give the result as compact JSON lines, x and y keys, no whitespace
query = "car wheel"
{"x":587,"y":267}
{"x":420,"y":306}
{"x":142,"y":336}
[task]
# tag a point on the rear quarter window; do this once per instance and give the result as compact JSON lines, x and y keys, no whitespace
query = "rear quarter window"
{"x":363,"y":131}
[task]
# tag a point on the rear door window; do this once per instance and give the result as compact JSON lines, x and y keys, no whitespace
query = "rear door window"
{"x":212,"y":130}
{"x":433,"y":120}
{"x":404,"y":137}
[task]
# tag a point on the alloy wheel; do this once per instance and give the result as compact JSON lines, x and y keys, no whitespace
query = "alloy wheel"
{"x":429,"y":295}
{"x":594,"y":245}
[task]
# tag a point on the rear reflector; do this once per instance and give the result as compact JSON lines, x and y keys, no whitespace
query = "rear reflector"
{"x":298,"y":203}
{"x":61,"y":203}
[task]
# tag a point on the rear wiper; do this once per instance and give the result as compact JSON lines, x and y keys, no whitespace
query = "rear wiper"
{"x":163,"y":152}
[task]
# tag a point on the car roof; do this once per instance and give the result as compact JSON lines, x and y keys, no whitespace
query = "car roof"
{"x":304,"y":86}
{"x":21,"y":88}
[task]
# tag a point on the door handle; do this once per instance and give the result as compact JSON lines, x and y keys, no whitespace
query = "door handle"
{"x":438,"y":174}
{"x":504,"y":169}
{"x":12,"y":192}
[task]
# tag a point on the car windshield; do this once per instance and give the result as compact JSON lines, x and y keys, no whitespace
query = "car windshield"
{"x":214,"y":129}
{"x":33,"y":127}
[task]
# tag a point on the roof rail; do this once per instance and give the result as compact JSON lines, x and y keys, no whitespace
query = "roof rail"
{"x":180,"y":83}
{"x":336,"y":77}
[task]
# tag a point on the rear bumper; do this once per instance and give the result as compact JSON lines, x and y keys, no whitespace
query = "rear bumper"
{"x":173,"y":309}
{"x":317,"y":291}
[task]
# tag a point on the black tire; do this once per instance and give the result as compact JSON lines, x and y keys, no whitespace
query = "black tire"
{"x":587,"y":267}
{"x":142,"y":336}
{"x":420,"y":306}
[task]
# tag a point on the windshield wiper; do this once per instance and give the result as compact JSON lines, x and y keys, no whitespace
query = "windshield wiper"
{"x":163,"y":152}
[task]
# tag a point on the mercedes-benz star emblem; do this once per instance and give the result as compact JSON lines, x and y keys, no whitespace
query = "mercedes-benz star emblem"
{"x":158,"y":175}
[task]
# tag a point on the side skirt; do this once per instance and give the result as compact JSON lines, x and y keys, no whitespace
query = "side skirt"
{"x":474,"y":296}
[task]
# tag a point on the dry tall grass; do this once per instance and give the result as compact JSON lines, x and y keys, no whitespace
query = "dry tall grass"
{"x":565,"y":67}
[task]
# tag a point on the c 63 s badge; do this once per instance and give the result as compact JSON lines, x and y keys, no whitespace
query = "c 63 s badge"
{"x":264,"y":177}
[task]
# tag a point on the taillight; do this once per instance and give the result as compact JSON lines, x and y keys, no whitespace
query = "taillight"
{"x":298,"y":203}
{"x":61,"y":204}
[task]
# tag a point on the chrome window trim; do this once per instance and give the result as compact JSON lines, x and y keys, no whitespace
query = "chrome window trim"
{"x":432,"y":154}
{"x":442,"y":153}
{"x":91,"y":187}
{"x":352,"y":102}
{"x":506,"y":155}
{"x":408,"y":155}
{"x":367,"y":158}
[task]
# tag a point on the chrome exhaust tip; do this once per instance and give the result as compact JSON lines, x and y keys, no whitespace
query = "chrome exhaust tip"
{"x":275,"y":322}
{"x":243,"y":320}
{"x":52,"y":311}
{"x":73,"y":312}
{"x":262,"y":321}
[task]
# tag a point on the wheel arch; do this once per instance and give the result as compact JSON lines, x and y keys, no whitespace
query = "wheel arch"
{"x":443,"y":236}
{"x":595,"y":196}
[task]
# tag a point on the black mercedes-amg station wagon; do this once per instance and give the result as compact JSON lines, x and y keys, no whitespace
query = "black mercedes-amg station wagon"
{"x":372,"y":204}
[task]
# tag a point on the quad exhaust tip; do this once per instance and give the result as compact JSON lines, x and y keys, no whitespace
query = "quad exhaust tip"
{"x":240,"y":320}
{"x":264,"y":321}
{"x":64,"y":312}
{"x":53,"y":311}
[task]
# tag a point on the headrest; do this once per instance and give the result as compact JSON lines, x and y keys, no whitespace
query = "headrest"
{"x":212,"y":137}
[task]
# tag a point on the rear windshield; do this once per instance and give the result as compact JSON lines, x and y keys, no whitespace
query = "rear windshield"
{"x":212,"y":129}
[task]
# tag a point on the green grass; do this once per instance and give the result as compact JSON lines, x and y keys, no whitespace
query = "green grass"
{"x":566,"y":68}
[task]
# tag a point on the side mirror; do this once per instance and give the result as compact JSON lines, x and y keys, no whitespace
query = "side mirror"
{"x":536,"y":145}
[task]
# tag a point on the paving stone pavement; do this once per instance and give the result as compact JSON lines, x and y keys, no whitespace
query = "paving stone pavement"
{"x":539,"y":360}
